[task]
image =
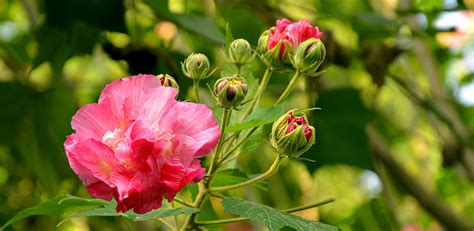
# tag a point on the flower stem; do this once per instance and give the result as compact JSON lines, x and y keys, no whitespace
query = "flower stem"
{"x":203,"y":187}
{"x":235,"y":147}
{"x":292,"y":210}
{"x":260,"y":90}
{"x":196,"y":90}
{"x":181,"y":201}
{"x":272,"y":170}
{"x":289,"y":88}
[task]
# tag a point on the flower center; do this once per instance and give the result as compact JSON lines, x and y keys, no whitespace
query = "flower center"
{"x":112,"y":139}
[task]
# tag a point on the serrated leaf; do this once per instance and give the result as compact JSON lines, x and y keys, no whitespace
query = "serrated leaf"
{"x":57,"y":207}
{"x":109,"y":211}
{"x":230,"y":177}
{"x":274,"y":219}
{"x":258,"y":117}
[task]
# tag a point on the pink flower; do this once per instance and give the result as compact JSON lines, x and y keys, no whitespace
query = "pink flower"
{"x":294,"y":33}
{"x":138,"y":144}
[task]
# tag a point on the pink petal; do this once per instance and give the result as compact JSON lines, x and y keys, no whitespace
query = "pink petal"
{"x":94,"y":186}
{"x":128,"y":94}
{"x":100,"y":190}
{"x":195,"y":121}
{"x":94,"y":156}
{"x":93,"y":120}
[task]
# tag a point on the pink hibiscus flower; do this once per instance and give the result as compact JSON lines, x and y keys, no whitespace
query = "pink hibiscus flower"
{"x":138,"y":144}
{"x":295,"y":33}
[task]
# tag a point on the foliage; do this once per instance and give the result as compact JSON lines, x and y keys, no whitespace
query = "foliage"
{"x":389,"y":65}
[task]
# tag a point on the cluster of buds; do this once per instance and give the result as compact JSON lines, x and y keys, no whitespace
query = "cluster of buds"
{"x":291,"y":134}
{"x":239,"y":52}
{"x":196,"y":66}
{"x":297,"y":44}
{"x":230,"y":91}
{"x":167,"y":81}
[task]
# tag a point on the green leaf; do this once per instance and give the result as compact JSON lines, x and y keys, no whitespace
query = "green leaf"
{"x":56,"y":207}
{"x":232,"y":176}
{"x":340,"y":130}
{"x":258,"y":117}
{"x":274,"y":219}
{"x":109,"y":211}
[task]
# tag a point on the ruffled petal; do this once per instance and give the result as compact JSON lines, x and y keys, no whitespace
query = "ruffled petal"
{"x":94,"y":156}
{"x":127,"y":95}
{"x":195,"y":121}
{"x":94,"y":186}
{"x":94,"y":120}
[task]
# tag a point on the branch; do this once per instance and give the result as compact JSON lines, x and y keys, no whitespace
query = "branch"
{"x":425,"y":198}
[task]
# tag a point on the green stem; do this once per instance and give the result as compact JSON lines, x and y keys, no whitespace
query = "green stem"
{"x":181,"y":201}
{"x":238,"y":69}
{"x":289,"y":88}
{"x":196,"y":90}
{"x":203,"y":188}
{"x":292,"y":210}
{"x":260,"y":90}
{"x":272,"y":170}
{"x":235,"y":147}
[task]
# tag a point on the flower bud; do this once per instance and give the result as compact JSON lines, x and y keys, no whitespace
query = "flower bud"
{"x":196,"y":66}
{"x":292,"y":135}
{"x":167,"y":81}
{"x":308,"y":56}
{"x":275,"y":55}
{"x":262,"y":46}
{"x":239,"y":52}
{"x":230,"y":91}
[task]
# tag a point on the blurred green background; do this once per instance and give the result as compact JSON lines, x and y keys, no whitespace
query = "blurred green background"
{"x":394,"y":139}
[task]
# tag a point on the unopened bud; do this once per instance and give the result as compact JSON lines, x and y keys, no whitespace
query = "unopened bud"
{"x":196,"y":66}
{"x":167,"y":81}
{"x":308,"y":56}
{"x":239,"y":52}
{"x":275,"y":56}
{"x":230,"y":91}
{"x":292,"y":135}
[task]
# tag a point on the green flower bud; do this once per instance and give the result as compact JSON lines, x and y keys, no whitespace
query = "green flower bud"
{"x":292,"y":135}
{"x":309,"y":55}
{"x":239,"y":52}
{"x":196,"y":66}
{"x":230,"y":91}
{"x":262,"y":46}
{"x":167,"y":81}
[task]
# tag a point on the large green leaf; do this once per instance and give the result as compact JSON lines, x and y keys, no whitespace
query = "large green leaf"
{"x":340,"y":130}
{"x":109,"y":211}
{"x":232,"y":176}
{"x":57,"y":207}
{"x":274,"y":219}
{"x":259,"y":117}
